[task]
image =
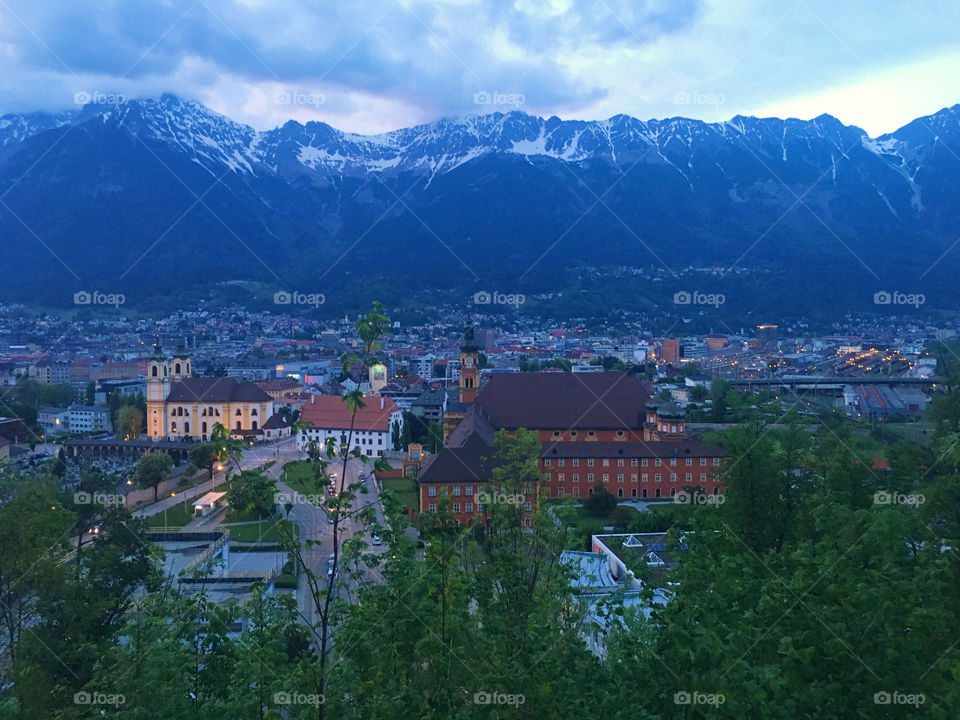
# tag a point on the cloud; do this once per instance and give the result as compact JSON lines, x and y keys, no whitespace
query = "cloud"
{"x":383,"y":64}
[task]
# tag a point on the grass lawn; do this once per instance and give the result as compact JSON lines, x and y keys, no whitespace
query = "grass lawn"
{"x":298,"y":474}
{"x":405,"y":490}
{"x":265,"y":531}
{"x":586,"y":523}
{"x":177,"y":516}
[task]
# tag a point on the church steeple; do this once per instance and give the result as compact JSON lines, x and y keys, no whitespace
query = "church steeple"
{"x":469,"y":365}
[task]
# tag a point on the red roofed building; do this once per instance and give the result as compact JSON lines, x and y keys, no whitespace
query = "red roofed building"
{"x":595,"y":430}
{"x":330,"y":417}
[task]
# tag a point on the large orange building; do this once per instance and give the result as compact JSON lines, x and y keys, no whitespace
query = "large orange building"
{"x":595,"y":430}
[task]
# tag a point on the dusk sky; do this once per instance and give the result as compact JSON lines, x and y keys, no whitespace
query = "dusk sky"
{"x":381,"y":64}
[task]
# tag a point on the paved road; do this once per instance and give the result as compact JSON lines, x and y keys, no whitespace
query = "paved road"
{"x":181,"y":496}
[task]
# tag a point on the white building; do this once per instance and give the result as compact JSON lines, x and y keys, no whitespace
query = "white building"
{"x":329,"y":417}
{"x":88,"y":418}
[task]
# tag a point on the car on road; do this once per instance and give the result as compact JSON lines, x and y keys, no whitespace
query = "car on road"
{"x":376,"y":540}
{"x":330,"y":562}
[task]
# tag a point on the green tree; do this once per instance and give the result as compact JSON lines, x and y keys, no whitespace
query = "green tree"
{"x":129,"y":422}
{"x":395,"y":435}
{"x":35,"y":527}
{"x":151,"y":470}
{"x":719,"y":390}
{"x":600,"y":503}
{"x":487,"y":609}
{"x":434,"y":437}
{"x":252,"y":491}
{"x":80,"y":610}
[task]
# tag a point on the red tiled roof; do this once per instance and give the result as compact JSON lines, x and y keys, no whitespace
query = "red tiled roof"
{"x":563,"y":401}
{"x":331,"y":412}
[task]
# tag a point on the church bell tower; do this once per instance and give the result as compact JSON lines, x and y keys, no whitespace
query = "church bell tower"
{"x":469,"y":365}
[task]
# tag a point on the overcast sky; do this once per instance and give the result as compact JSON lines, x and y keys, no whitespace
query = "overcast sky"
{"x":377,"y":65}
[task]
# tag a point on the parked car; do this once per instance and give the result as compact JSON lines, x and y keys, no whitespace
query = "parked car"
{"x":376,"y":540}
{"x":330,"y":566}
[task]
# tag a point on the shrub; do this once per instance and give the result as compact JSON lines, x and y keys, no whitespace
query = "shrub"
{"x":600,"y":504}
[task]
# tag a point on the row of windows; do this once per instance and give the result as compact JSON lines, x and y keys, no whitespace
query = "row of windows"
{"x":605,"y":462}
{"x":561,"y":477}
{"x":469,"y":507}
{"x":633,"y":492}
{"x":468,"y":490}
{"x":356,"y":433}
{"x":203,"y":427}
{"x":207,"y":412}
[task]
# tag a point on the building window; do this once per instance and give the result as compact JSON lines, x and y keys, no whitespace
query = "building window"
{"x":576,"y":477}
{"x":433,"y":507}
{"x":576,"y":492}
{"x":456,"y":507}
{"x":673,"y":492}
{"x":432,"y":492}
{"x":546,"y":462}
{"x":673,"y":477}
{"x":606,"y":462}
{"x":633,"y":462}
{"x":469,"y":507}
{"x":589,"y":462}
{"x":644,"y":494}
{"x":590,"y":478}
{"x":606,"y":477}
{"x":689,"y":461}
{"x":576,"y":462}
{"x":633,"y":477}
{"x":644,"y":478}
{"x":644,"y":462}
{"x":673,"y":461}
{"x":703,"y":461}
{"x":561,"y":477}
{"x":703,"y":477}
{"x":716,"y":461}
{"x":658,"y":492}
{"x":620,"y":477}
{"x":469,"y":490}
{"x":656,"y":478}
{"x":456,"y":491}
{"x":619,"y":492}
{"x":619,"y":462}
{"x":689,"y":477}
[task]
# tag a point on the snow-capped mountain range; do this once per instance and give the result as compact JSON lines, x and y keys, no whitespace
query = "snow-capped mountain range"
{"x":449,"y":143}
{"x":106,"y":181}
